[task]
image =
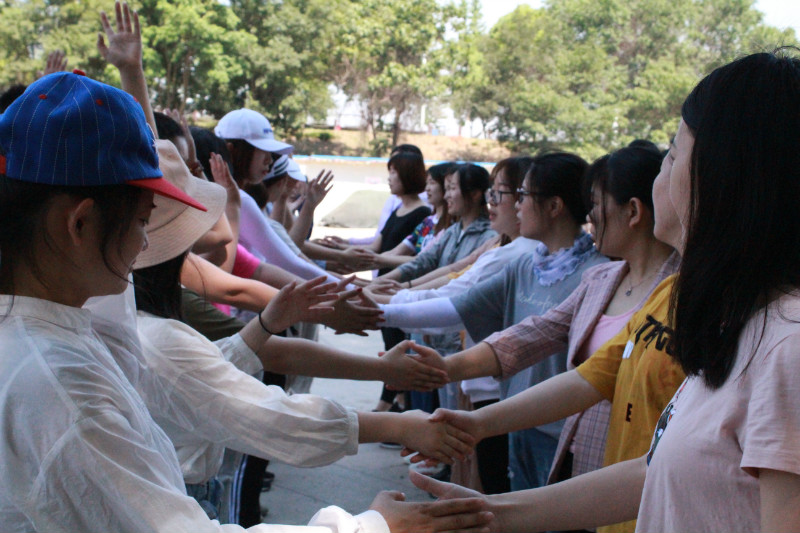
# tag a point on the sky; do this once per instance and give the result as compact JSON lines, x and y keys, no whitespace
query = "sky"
{"x":778,"y":13}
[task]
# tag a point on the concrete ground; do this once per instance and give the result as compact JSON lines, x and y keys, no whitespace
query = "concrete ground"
{"x":352,"y":482}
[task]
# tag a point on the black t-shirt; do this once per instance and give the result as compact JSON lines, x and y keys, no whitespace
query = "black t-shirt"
{"x":398,"y":228}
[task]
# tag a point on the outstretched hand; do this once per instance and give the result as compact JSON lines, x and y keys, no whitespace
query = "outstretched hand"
{"x":450,"y":492}
{"x":124,"y":47}
{"x":429,"y":356}
{"x":299,"y":303}
{"x":435,"y":440}
{"x":353,"y":313}
{"x":407,"y":372}
{"x":465,"y":515}
{"x":461,"y":424}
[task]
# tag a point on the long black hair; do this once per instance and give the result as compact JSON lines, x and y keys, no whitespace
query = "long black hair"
{"x":206,"y":143}
{"x":471,"y":178}
{"x":625,"y":174}
{"x":743,"y":239}
{"x":561,"y":174}
{"x":158,"y":288}
{"x":438,"y":173}
{"x":23,"y":207}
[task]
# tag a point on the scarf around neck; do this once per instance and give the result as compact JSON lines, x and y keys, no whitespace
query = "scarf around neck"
{"x":552,"y":268}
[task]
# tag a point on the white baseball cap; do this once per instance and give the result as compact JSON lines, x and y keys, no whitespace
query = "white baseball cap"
{"x":285,"y":165}
{"x":252,"y":127}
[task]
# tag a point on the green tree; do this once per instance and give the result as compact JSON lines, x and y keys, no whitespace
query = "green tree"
{"x":464,"y":59}
{"x":389,"y":57}
{"x":289,"y":68}
{"x":590,"y":76}
{"x":29,"y":29}
{"x":193,"y":51}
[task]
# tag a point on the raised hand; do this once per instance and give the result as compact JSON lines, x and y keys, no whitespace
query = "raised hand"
{"x":299,"y":303}
{"x":56,"y":62}
{"x":222,"y":176}
{"x":191,"y":157}
{"x":467,"y":515}
{"x":318,"y":188}
{"x":450,"y":492}
{"x":124,"y":47}
{"x":435,"y":440}
{"x":406,"y":372}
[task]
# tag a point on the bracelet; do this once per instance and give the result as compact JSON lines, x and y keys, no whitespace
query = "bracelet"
{"x":409,"y":283}
{"x":261,"y":322}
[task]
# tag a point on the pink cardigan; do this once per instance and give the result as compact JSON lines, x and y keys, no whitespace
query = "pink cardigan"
{"x":568,"y":326}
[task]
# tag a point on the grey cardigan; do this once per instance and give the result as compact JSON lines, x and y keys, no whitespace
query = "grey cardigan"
{"x":453,"y":245}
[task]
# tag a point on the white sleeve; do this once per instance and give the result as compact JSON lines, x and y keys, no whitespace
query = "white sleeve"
{"x":239,"y":354}
{"x":256,"y":234}
{"x":213,"y":401}
{"x":124,"y":480}
{"x":432,"y":317}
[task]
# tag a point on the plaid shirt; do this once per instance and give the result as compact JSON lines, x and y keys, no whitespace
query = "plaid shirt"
{"x":568,"y":326}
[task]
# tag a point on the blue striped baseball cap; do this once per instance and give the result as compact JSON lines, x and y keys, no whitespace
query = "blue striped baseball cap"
{"x":70,"y":130}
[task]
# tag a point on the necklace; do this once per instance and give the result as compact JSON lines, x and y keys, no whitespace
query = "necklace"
{"x":632,"y":286}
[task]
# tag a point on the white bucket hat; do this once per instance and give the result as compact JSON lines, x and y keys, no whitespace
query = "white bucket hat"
{"x":174,"y":227}
{"x":253,"y":127}
{"x":285,"y":165}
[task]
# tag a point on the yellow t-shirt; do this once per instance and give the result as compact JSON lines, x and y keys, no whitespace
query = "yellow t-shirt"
{"x":635,"y":372}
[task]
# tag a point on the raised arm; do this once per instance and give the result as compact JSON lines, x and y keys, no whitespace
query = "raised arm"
{"x":124,"y":51}
{"x":316,"y":191}
{"x":222,"y":176}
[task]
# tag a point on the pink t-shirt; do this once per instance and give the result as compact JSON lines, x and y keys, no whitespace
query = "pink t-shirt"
{"x":245,"y":264}
{"x":703,"y":465}
{"x":606,"y":327}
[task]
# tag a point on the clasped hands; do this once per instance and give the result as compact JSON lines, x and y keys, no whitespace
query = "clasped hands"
{"x":445,"y":435}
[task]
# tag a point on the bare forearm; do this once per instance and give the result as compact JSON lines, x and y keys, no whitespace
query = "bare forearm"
{"x":441,"y":281}
{"x":430,"y":276}
{"x":232,"y":214}
{"x":606,"y":496}
{"x":475,"y":362}
{"x":219,"y":286}
{"x":379,"y":427}
{"x":551,"y":400}
{"x":134,"y":83}
{"x":274,"y":275}
{"x":302,"y":357}
{"x":386,"y":260}
{"x":316,"y":251}
{"x":302,"y":225}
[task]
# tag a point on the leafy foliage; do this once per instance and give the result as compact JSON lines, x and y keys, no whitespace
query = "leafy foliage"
{"x":581,"y":75}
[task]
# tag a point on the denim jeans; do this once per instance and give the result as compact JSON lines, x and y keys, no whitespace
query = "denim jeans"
{"x":208,"y":495}
{"x":530,"y":456}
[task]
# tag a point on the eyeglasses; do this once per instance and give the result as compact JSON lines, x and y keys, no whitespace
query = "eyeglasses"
{"x":522,"y":193}
{"x":494,"y":196}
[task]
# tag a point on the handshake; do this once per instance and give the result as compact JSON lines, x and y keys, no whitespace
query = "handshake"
{"x":444,"y":436}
